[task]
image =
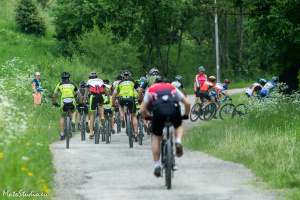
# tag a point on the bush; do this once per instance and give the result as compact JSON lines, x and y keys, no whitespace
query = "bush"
{"x":28,"y":18}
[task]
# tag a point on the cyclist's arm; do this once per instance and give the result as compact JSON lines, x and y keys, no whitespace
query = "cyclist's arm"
{"x":185,"y":101}
{"x":144,"y":106}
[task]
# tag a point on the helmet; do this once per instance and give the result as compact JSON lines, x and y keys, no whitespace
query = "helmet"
{"x":275,"y":79}
{"x":201,"y":69}
{"x":212,"y":78}
{"x":65,"y":75}
{"x":126,"y":75}
{"x":106,"y":81}
{"x":82,"y":84}
{"x":178,"y":77}
{"x":227,"y":81}
{"x":93,"y":75}
{"x":37,"y":74}
{"x":143,"y":79}
{"x":154,"y":71}
{"x":262,"y":81}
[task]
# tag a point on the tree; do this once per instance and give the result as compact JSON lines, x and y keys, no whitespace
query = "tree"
{"x":28,"y":18}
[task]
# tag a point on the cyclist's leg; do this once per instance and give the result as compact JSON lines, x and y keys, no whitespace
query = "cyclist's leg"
{"x":157,"y":130}
{"x":132,"y":109}
{"x":91,"y":114}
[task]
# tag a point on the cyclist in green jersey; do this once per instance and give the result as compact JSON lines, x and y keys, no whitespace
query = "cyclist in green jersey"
{"x":67,"y":91}
{"x":125,"y":90}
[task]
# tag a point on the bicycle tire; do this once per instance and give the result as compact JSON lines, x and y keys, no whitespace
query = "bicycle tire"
{"x":67,"y":131}
{"x":141,"y":129}
{"x":209,"y":111}
{"x":129,"y":131}
{"x":240,"y":110}
{"x":97,"y":131}
{"x":107,"y":130}
{"x":118,"y":122}
{"x":226,"y":111}
{"x":195,"y":112}
{"x":82,"y":126}
{"x":168,"y":164}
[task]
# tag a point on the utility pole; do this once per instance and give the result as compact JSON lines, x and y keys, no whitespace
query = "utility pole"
{"x":217,"y":43}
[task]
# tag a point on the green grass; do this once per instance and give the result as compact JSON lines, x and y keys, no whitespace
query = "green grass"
{"x":240,"y":84}
{"x":266,"y":141}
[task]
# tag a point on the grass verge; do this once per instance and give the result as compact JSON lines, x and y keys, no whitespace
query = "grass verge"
{"x":266,"y":141}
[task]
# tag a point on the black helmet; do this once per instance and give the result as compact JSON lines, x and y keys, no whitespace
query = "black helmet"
{"x":126,"y":75}
{"x":82,"y":84}
{"x":65,"y":75}
{"x":154,"y":72}
{"x":93,"y":75}
{"x":106,"y":81}
{"x":262,"y":81}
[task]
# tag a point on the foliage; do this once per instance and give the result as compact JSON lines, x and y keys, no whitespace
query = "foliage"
{"x":266,"y":141}
{"x":28,"y":18}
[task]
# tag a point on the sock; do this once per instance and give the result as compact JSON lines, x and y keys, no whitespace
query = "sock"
{"x":178,"y":140}
{"x":156,"y":163}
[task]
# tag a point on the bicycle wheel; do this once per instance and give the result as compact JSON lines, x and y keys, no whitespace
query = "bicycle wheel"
{"x":141,"y":130}
{"x":107,"y":130}
{"x":168,"y":164}
{"x":209,"y":111}
{"x":240,"y":110}
{"x":67,"y":131}
{"x":226,"y":111}
{"x":97,"y":131}
{"x":129,"y":130}
{"x":118,"y":122}
{"x":195,"y":112}
{"x":82,"y":126}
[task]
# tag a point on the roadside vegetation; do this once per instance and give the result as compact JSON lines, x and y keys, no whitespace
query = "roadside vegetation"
{"x":266,"y":141}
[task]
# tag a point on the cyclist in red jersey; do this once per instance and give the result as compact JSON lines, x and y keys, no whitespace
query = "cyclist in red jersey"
{"x":163,"y":100}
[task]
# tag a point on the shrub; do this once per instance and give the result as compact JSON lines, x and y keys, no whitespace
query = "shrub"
{"x":28,"y":18}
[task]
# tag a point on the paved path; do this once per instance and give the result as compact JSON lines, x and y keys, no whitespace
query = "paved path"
{"x":113,"y":171}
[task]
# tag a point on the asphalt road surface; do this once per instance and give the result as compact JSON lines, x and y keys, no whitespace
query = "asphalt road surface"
{"x":88,"y":171}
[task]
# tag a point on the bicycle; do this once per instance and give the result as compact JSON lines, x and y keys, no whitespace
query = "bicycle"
{"x":226,"y":109}
{"x":167,"y":153}
{"x":82,"y":123}
{"x":68,"y":108}
{"x":128,"y":122}
{"x":118,"y":119}
{"x":206,"y":112}
{"x":107,"y":125}
{"x":97,"y":127}
{"x":141,"y":128}
{"x":240,"y":110}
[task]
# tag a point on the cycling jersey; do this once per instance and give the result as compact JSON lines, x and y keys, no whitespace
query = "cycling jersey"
{"x":37,"y":85}
{"x":107,"y":102}
{"x":199,"y":80}
{"x":96,"y":86}
{"x":67,"y":90}
{"x":252,"y":89}
{"x":206,"y":86}
{"x":125,"y":89}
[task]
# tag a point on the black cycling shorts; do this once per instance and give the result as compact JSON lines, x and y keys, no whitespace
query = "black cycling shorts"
{"x":203,"y":96}
{"x":129,"y":102}
{"x":94,"y":100}
{"x":163,"y":113}
{"x":81,"y":107}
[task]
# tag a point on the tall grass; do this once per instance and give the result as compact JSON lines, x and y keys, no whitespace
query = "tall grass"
{"x":266,"y":141}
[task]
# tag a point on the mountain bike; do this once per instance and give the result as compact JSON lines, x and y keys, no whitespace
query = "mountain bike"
{"x":118,"y":119}
{"x":128,"y":122}
{"x":240,"y":110}
{"x":167,"y":153}
{"x":68,"y":108}
{"x":141,"y":128}
{"x":226,"y":108}
{"x":97,"y":127}
{"x":107,"y":124}
{"x":202,"y":111}
{"x":82,"y":124}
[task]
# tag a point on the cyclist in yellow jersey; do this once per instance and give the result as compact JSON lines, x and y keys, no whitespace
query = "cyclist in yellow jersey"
{"x":107,"y":103}
{"x":67,"y":92}
{"x":125,"y":90}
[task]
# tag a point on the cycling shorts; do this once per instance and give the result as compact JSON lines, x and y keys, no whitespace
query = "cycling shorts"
{"x":129,"y":102}
{"x":163,"y":113}
{"x":81,"y":107}
{"x":94,"y":101}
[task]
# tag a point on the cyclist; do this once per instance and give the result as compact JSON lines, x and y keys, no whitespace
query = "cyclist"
{"x":199,"y":81}
{"x":82,"y":101}
{"x":163,"y":99}
{"x":96,"y":90}
{"x":213,"y":90}
{"x":253,"y":90}
{"x":37,"y":89}
{"x":178,"y":82}
{"x":107,"y":102}
{"x":152,"y":75}
{"x":268,"y":87}
{"x":67,"y":91}
{"x":126,"y":94}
